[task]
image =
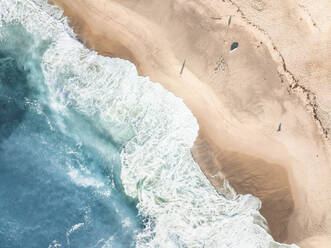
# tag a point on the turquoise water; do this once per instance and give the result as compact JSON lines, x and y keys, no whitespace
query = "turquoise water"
{"x":93,"y":155}
{"x":56,"y":187}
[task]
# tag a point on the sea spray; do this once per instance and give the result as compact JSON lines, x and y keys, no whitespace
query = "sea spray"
{"x":154,"y":130}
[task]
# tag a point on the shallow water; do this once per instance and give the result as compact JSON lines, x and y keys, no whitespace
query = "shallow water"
{"x":92,"y":155}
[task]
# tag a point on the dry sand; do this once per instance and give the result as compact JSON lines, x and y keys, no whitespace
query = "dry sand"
{"x":280,"y":73}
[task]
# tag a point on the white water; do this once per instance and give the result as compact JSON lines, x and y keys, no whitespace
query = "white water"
{"x":156,"y":131}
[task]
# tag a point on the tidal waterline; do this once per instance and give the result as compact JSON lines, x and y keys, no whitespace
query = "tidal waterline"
{"x":93,"y":155}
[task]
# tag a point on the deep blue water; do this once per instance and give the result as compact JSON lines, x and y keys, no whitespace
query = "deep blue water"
{"x":59,"y":173}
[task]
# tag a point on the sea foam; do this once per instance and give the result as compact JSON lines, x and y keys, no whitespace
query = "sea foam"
{"x":155,"y":130}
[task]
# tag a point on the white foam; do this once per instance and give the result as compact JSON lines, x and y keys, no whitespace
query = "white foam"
{"x":75,"y":227}
{"x":71,"y":230}
{"x":83,"y":180}
{"x":182,"y":207}
{"x":54,"y":244}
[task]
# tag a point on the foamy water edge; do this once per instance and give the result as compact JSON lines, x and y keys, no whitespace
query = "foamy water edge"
{"x":158,"y":170}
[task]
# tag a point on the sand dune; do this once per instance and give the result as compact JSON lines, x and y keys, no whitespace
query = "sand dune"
{"x":263,"y":109}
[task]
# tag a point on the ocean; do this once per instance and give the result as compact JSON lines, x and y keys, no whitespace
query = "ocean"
{"x":93,"y":155}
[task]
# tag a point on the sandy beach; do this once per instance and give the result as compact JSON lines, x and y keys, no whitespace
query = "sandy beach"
{"x":263,"y":108}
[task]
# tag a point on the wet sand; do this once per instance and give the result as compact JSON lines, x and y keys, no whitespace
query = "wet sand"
{"x":263,"y":109}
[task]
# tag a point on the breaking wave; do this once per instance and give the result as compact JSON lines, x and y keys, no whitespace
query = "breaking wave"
{"x":155,"y":130}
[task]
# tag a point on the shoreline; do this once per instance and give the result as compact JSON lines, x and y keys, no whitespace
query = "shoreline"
{"x":238,"y":100}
